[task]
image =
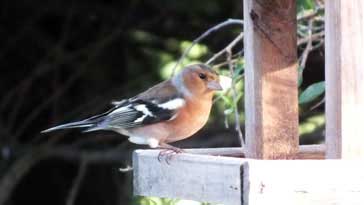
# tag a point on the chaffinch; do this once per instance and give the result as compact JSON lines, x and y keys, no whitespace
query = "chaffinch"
{"x":170,"y":111}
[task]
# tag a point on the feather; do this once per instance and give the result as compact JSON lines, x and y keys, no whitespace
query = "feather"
{"x":147,"y":108}
{"x":80,"y":124}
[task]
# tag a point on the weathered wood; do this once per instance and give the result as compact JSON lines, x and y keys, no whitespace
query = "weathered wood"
{"x":236,"y":181}
{"x":316,"y":151}
{"x":271,"y":104}
{"x":314,"y":182}
{"x":311,"y":152}
{"x":188,"y":176}
{"x":344,"y":53}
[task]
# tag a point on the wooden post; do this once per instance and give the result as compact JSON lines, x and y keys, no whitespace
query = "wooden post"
{"x":271,"y":103}
{"x":344,"y":53}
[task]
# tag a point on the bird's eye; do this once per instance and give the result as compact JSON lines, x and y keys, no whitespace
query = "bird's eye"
{"x":202,"y":76}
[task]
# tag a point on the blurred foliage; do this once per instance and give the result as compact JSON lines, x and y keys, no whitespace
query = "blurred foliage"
{"x":226,"y":101}
{"x":154,"y":201}
{"x":310,"y":22}
{"x":194,"y":56}
{"x":165,"y":201}
{"x":312,"y":92}
{"x":305,"y":5}
{"x":311,"y":124}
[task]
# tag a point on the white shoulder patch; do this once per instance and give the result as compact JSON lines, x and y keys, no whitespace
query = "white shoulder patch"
{"x":173,"y":104}
{"x":140,"y":119}
{"x":142,"y":108}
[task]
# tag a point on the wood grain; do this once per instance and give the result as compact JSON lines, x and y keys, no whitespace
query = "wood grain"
{"x":271,"y":102}
{"x":314,"y":182}
{"x":315,"y":151}
{"x":236,"y":181}
{"x":188,"y":176}
{"x":344,"y":53}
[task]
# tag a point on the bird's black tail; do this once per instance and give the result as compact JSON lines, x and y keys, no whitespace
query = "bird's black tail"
{"x":79,"y":124}
{"x":90,"y":124}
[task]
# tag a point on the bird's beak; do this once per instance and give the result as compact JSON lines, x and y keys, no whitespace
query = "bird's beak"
{"x":224,"y":83}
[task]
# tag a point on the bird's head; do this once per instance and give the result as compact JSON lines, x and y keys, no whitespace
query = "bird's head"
{"x":200,"y":80}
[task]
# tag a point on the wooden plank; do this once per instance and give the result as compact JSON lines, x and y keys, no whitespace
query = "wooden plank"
{"x":271,"y":104}
{"x":195,"y":177}
{"x":235,"y":181}
{"x":311,"y":152}
{"x":344,"y":53}
{"x":201,"y":175}
{"x":316,"y":151}
{"x":314,"y":182}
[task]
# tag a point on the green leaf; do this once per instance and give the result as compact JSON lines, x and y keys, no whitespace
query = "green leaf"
{"x":305,"y":5}
{"x":308,"y":4}
{"x":239,"y":69}
{"x":237,"y":73}
{"x":300,"y":75}
{"x":312,"y":92}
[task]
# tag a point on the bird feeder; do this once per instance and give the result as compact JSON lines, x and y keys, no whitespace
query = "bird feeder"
{"x":273,"y":168}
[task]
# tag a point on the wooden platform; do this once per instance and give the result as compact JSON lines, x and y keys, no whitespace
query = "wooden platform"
{"x":201,"y":175}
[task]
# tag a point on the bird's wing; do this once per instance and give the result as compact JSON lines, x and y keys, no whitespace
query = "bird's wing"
{"x":159,"y":93}
{"x":157,"y":104}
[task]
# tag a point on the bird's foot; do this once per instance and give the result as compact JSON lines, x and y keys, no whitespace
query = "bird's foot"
{"x":168,"y":153}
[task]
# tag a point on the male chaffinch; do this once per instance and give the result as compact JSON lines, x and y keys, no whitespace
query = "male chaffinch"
{"x":170,"y":111}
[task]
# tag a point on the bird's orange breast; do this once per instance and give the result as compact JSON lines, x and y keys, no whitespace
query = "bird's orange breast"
{"x":189,"y":120}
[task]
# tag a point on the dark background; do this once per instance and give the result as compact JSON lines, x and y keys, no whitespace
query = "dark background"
{"x":62,"y":61}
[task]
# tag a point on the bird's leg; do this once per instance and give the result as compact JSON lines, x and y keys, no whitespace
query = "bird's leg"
{"x":168,"y":151}
{"x":166,"y":146}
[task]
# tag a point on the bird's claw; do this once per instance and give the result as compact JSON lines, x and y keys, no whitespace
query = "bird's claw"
{"x":168,"y":154}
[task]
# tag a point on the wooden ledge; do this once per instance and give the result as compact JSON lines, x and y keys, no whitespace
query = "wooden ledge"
{"x":305,"y":152}
{"x":205,"y":175}
{"x":200,"y":177}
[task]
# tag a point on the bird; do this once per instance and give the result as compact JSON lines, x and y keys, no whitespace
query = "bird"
{"x":170,"y":111}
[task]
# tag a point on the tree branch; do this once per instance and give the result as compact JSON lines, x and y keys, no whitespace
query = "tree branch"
{"x":235,"y":97}
{"x":308,"y":46}
{"x":204,"y":35}
{"x":228,"y":48}
{"x":72,"y":195}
